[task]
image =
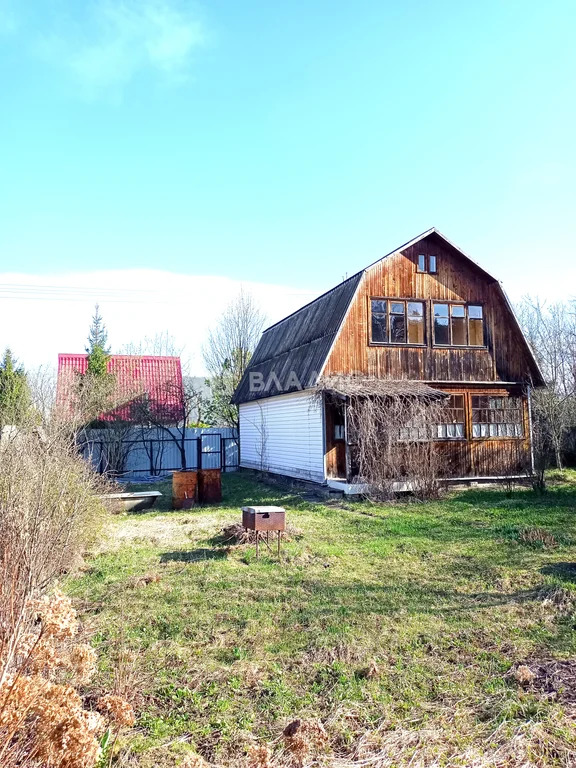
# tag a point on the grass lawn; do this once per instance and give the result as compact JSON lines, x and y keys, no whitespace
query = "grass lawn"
{"x":396,"y":625}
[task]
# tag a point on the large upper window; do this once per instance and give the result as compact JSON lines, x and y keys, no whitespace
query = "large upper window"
{"x":496,"y":416}
{"x":458,"y":325}
{"x":397,"y":322}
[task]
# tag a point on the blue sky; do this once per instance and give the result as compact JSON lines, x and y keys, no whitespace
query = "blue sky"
{"x":280,"y":143}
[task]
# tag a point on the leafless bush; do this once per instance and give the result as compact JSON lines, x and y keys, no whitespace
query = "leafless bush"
{"x":49,"y":510}
{"x":49,"y":514}
{"x":109,"y":447}
{"x":391,"y":428}
{"x":394,"y":443}
{"x":171,"y":415}
{"x":92,"y":409}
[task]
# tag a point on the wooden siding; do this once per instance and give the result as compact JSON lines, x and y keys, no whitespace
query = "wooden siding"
{"x":503,"y":359}
{"x":284,"y":435}
{"x":486,"y":456}
{"x":336,"y":454}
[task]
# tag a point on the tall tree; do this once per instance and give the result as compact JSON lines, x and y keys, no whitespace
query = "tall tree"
{"x":98,"y":350}
{"x":227,"y":353}
{"x":15,"y":398}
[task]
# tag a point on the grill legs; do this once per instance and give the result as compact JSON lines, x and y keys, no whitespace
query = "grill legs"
{"x":267,"y":543}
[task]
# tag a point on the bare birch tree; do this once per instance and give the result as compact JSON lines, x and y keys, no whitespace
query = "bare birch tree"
{"x":227,"y":353}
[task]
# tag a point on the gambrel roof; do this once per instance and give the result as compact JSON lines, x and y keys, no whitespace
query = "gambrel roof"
{"x":292,"y":353}
{"x":299,"y":344}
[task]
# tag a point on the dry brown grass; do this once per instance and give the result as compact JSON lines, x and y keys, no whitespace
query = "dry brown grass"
{"x":537,"y":537}
{"x":236,"y":534}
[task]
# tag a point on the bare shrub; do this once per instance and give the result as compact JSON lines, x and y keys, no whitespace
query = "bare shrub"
{"x":49,"y":514}
{"x":49,"y":509}
{"x":391,"y":428}
{"x":171,"y":421}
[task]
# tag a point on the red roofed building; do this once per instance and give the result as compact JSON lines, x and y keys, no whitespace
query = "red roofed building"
{"x":158,"y":380}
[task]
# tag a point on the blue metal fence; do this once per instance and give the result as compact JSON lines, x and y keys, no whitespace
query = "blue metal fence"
{"x":153,"y":452}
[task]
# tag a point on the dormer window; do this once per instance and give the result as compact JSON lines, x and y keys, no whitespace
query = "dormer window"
{"x":427,"y":263}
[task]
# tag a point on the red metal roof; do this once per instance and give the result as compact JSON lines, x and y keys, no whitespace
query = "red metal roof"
{"x":157,"y":378}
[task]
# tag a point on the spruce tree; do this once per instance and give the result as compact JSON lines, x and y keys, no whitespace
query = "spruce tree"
{"x":96,"y":387}
{"x":98,"y":349}
{"x":15,"y":399}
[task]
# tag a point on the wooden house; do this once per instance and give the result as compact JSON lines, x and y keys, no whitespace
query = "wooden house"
{"x":423,"y":317}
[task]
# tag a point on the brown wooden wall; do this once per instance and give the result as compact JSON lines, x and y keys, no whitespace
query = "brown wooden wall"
{"x":504,"y":358}
{"x":487,"y":456}
{"x":496,"y":457}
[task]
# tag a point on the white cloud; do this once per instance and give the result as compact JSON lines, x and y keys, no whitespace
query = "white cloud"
{"x":42,"y":315}
{"x":48,"y":314}
{"x":114,"y":42}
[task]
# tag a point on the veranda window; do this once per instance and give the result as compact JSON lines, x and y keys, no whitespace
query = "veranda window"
{"x":497,"y":416}
{"x":452,"y":428}
{"x":411,"y":433}
{"x":458,"y":325}
{"x":397,"y":322}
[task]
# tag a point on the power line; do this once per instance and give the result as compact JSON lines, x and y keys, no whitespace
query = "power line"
{"x":23,"y":292}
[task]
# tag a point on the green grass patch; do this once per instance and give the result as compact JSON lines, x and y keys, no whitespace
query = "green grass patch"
{"x":438,"y":599}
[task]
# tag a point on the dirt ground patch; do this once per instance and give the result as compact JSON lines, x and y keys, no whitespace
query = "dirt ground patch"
{"x":554,"y":678}
{"x":163,"y":530}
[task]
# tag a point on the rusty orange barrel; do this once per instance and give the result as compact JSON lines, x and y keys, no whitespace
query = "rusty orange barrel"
{"x":209,"y":485}
{"x":184,"y":489}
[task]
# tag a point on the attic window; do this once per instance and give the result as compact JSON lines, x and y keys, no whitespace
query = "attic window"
{"x":427,"y":263}
{"x":397,"y":322}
